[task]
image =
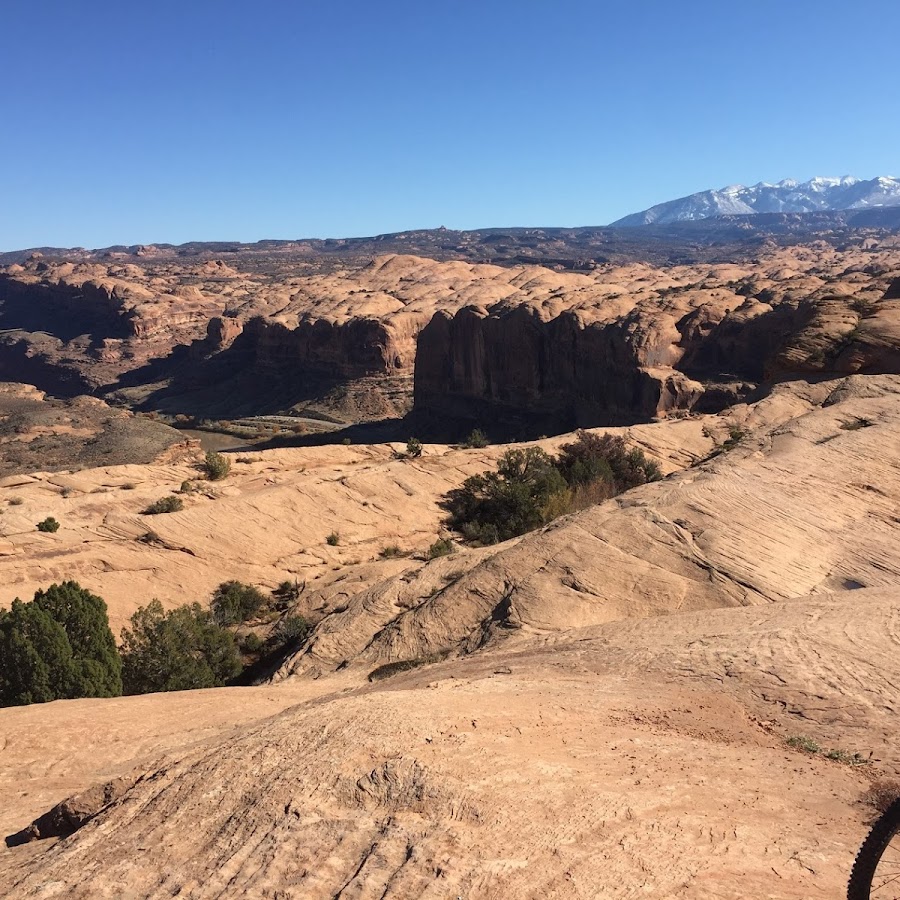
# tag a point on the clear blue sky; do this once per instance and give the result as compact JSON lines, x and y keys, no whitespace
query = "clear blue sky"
{"x":192,"y":120}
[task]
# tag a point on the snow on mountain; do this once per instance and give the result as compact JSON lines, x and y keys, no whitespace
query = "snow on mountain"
{"x":786,"y":196}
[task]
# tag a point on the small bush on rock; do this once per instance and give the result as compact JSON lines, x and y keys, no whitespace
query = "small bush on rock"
{"x":216,"y":466}
{"x":441,"y":547}
{"x":477,"y":440}
{"x":292,"y":631}
{"x":882,"y":793}
{"x":251,"y":643}
{"x":234,"y":602}
{"x":168,"y":504}
{"x":49,"y":525}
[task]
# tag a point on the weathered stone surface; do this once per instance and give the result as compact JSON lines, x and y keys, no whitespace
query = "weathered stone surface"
{"x":614,"y":344}
{"x":67,"y":817}
{"x":532,"y":368}
{"x":612,"y":710}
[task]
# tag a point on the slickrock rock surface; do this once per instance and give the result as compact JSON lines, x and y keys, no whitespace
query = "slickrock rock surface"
{"x":266,"y":522}
{"x":610,"y":715}
{"x":806,"y":503}
{"x":616,"y":344}
{"x":614,"y":762}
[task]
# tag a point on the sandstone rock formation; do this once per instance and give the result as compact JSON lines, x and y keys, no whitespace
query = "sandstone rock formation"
{"x":802,"y":505}
{"x":615,"y":344}
{"x":267,"y":522}
{"x":597,"y":362}
{"x":611,"y":710}
{"x":603,"y":762}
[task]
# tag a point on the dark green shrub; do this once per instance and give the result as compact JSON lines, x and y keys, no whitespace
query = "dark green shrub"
{"x":414,"y":447}
{"x":49,"y":525}
{"x":216,"y":466}
{"x":251,"y":643}
{"x":187,"y":487}
{"x":36,"y":663}
{"x":233,"y":602}
{"x":59,"y":646}
{"x":179,"y":650}
{"x":605,"y":457}
{"x":292,"y":631}
{"x":391,"y":552}
{"x":531,"y":488}
{"x":289,"y":591}
{"x":168,"y":504}
{"x":441,"y":547}
{"x":477,"y":440}
{"x":333,"y":539}
{"x":500,"y":505}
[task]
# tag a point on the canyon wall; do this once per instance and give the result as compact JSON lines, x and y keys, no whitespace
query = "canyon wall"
{"x":523,"y":350}
{"x":516,"y":372}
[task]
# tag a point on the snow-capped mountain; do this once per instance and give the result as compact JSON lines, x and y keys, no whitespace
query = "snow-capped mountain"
{"x":786,"y":196}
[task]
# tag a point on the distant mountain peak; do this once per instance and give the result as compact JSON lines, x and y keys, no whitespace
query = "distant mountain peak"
{"x":787,"y":196}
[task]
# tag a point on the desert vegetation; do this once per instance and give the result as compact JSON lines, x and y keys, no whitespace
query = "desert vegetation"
{"x":164,"y":505}
{"x":57,"y":646}
{"x":233,"y":603}
{"x":531,"y":488}
{"x":476,"y":440}
{"x":216,"y":466}
{"x":441,"y":547}
{"x":178,"y":650}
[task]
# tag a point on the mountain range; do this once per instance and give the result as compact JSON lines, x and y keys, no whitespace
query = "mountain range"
{"x":788,"y":196}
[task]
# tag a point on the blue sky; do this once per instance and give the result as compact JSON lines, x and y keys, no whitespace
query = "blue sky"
{"x":193,"y":120}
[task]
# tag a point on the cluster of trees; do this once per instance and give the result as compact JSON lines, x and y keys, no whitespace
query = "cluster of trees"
{"x":531,"y":488}
{"x":59,"y":646}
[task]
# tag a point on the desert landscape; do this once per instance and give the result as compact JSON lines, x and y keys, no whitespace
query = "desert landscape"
{"x":449,"y":451}
{"x":685,"y":689}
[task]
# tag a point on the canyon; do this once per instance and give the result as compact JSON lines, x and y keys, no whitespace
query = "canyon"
{"x":684,"y":691}
{"x":443,"y":346}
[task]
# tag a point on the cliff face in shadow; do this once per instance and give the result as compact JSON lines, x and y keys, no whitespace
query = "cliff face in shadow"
{"x":516,"y":372}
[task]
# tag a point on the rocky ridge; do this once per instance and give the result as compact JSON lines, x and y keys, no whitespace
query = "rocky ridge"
{"x":788,"y":196}
{"x":609,"y":716}
{"x":626,"y":342}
